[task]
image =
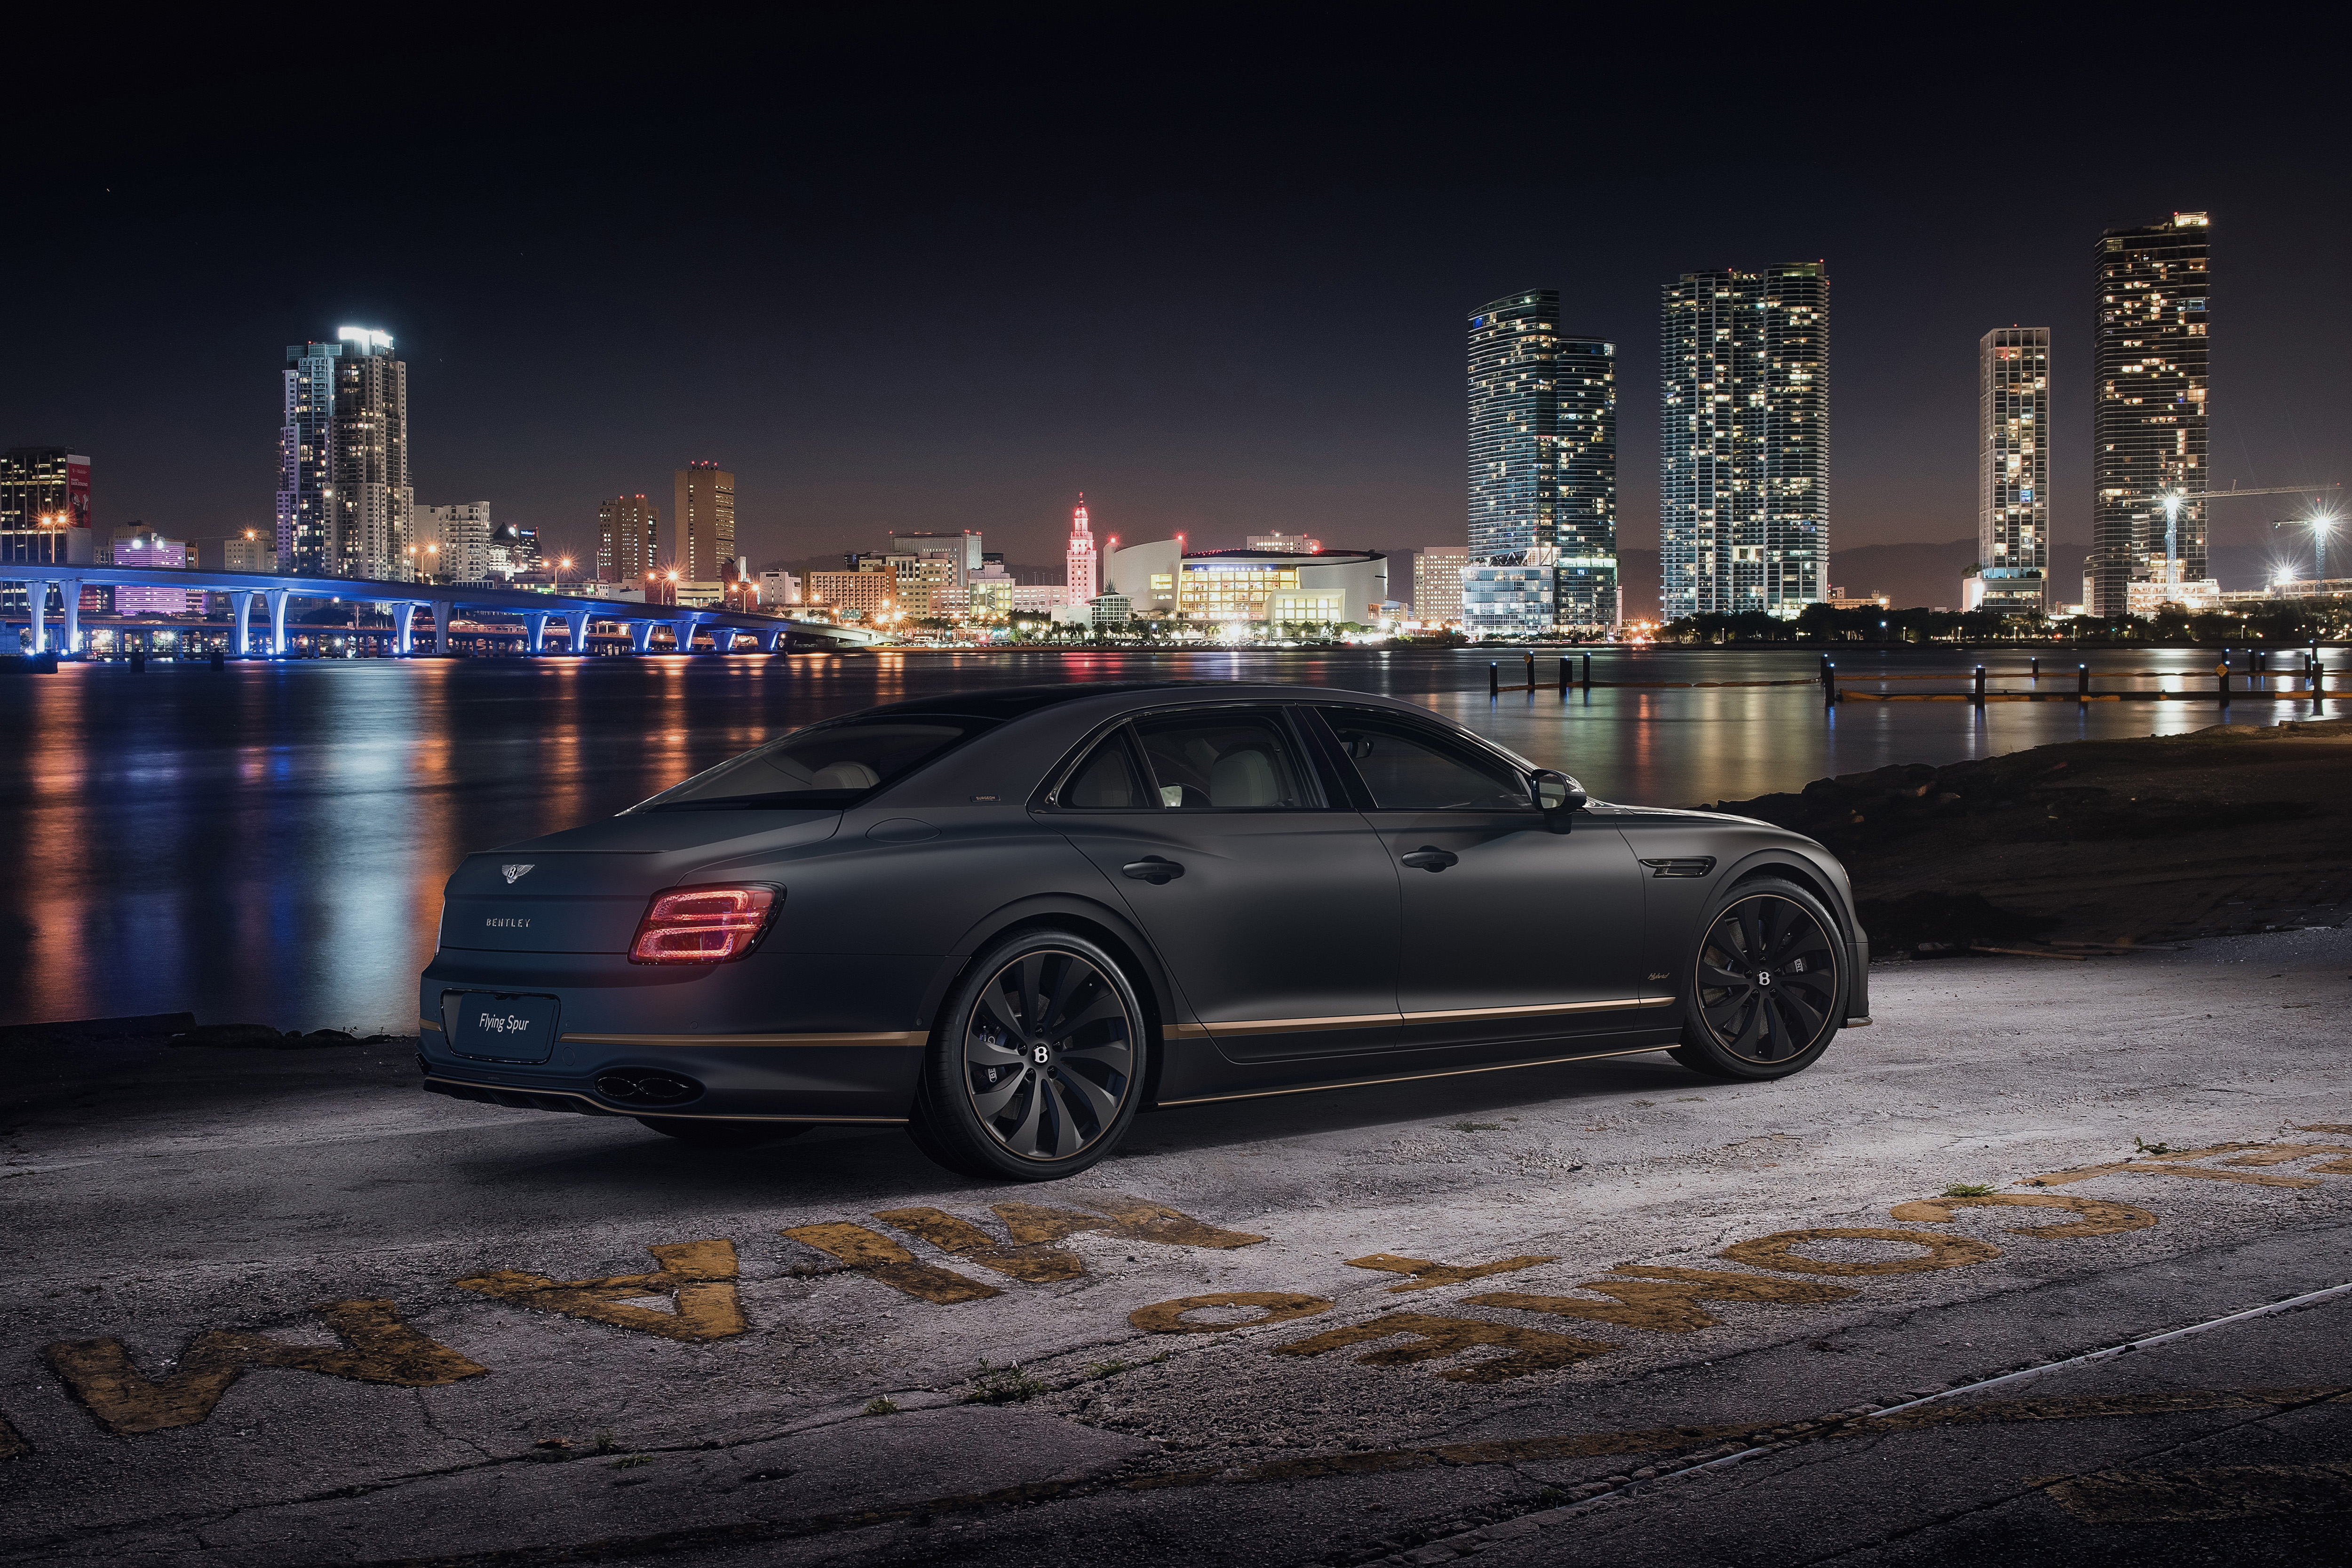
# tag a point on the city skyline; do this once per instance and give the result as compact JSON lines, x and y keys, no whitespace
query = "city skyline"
{"x":1148,"y":311}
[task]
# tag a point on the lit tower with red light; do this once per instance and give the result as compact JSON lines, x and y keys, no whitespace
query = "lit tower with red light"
{"x":1082,"y":566}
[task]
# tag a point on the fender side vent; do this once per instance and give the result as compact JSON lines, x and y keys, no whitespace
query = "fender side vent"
{"x":1696,"y":865}
{"x":633,"y":1086}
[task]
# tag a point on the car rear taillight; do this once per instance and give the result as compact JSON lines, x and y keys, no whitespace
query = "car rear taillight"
{"x":705,"y":925}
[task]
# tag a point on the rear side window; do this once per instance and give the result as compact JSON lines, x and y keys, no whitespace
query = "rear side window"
{"x":1224,"y":760}
{"x":1106,"y":780}
{"x":824,"y":767}
{"x":1409,"y":766}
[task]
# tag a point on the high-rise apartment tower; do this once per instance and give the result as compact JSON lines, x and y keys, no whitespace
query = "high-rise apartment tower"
{"x":1744,"y":441}
{"x":702,"y":526}
{"x":1543,"y":467}
{"x":2148,"y":412}
{"x":628,"y":528}
{"x":344,"y":495}
{"x":2012,"y":570}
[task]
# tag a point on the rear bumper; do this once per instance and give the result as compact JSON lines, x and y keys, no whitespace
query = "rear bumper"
{"x":768,"y":1039}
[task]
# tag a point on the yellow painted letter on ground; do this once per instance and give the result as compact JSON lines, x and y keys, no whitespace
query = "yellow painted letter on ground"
{"x":697,"y":1276}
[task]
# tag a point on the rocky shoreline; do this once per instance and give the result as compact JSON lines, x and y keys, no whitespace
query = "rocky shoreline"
{"x":2091,"y":844}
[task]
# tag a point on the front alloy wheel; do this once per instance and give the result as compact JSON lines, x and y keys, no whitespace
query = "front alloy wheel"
{"x":1767,"y":985}
{"x":1038,"y":1069}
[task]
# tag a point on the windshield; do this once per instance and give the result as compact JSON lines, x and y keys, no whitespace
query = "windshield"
{"x":824,"y":767}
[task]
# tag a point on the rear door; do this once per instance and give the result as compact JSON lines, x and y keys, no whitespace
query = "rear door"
{"x":1275,"y":907}
{"x":1509,"y":932}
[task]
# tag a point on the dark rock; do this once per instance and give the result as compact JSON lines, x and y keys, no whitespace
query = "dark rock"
{"x":1938,"y":922}
{"x":231,"y":1034}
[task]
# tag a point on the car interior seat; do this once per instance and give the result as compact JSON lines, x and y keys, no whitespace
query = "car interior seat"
{"x":1245,"y":778}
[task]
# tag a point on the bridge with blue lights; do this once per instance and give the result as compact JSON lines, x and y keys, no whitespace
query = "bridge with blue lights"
{"x":573,"y":612}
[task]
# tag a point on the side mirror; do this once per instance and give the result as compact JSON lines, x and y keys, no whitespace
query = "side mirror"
{"x":1560,"y":797}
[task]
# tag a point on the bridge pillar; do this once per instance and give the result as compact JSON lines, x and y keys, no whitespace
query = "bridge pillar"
{"x":403,"y":615}
{"x":683,"y":629}
{"x":577,"y":620}
{"x":772,"y":638}
{"x":445,"y":618}
{"x":70,"y":592}
{"x":241,"y":600}
{"x":641,"y":635}
{"x":275,"y":598}
{"x":36,"y":601}
{"x":536,"y":620}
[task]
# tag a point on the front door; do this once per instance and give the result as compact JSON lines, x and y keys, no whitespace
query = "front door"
{"x":1510,"y":932}
{"x":1274,"y":909}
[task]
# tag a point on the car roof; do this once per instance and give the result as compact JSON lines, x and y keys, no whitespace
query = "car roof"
{"x":1039,"y":724}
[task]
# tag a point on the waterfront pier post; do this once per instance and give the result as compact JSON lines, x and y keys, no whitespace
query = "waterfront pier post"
{"x":2082,"y":682}
{"x":2222,"y":680}
{"x":1980,"y":695}
{"x":1493,"y":677}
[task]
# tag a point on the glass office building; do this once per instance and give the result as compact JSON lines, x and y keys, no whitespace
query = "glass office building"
{"x":1744,"y":441}
{"x":1543,"y":463}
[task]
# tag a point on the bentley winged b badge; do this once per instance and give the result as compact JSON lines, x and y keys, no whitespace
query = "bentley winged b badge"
{"x":513,"y":873}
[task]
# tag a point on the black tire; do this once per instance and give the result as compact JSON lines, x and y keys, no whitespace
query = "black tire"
{"x":1767,"y":984}
{"x":717,"y":1134}
{"x":1038,"y":1066}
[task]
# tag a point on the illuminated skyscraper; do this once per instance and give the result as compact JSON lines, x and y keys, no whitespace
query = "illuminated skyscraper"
{"x":701,"y":530}
{"x":1543,"y":467}
{"x":2148,"y":412}
{"x":1082,"y":564}
{"x":626,"y":529}
{"x":344,"y":495}
{"x":1744,"y":441}
{"x":2013,"y":571}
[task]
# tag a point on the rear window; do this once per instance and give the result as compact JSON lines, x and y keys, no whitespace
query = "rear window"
{"x":824,"y":767}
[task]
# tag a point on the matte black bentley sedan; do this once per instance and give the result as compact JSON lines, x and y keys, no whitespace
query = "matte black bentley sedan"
{"x":1010,"y":921}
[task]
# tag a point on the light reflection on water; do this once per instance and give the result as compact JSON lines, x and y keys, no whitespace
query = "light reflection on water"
{"x":268,"y":844}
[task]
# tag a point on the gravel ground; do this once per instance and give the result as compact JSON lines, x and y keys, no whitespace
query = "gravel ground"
{"x":504,"y":1373}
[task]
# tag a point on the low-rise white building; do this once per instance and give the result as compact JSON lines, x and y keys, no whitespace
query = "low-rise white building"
{"x":1280,"y":587}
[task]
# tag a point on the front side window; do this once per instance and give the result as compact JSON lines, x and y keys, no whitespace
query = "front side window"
{"x":1410,"y":766}
{"x":824,"y":767}
{"x":1223,"y":760}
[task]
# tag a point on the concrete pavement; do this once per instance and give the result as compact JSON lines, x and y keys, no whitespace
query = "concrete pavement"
{"x":278,"y":1307}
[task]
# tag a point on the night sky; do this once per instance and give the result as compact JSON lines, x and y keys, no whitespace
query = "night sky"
{"x":1210,"y":269}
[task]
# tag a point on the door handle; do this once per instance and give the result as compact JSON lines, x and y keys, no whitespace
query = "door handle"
{"x":1429,"y":858}
{"x":1151,"y":869}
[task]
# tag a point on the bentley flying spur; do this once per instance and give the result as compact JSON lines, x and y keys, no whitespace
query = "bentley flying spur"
{"x":1013,"y":920}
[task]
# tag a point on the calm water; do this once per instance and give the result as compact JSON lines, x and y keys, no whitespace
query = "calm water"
{"x":268,"y":844}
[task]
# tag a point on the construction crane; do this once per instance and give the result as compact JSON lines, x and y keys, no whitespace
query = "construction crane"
{"x":2173,"y":499}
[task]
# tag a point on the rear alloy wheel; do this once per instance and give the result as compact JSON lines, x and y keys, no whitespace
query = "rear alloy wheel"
{"x":714,"y":1133}
{"x":1768,"y":984}
{"x":1036,"y":1068}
